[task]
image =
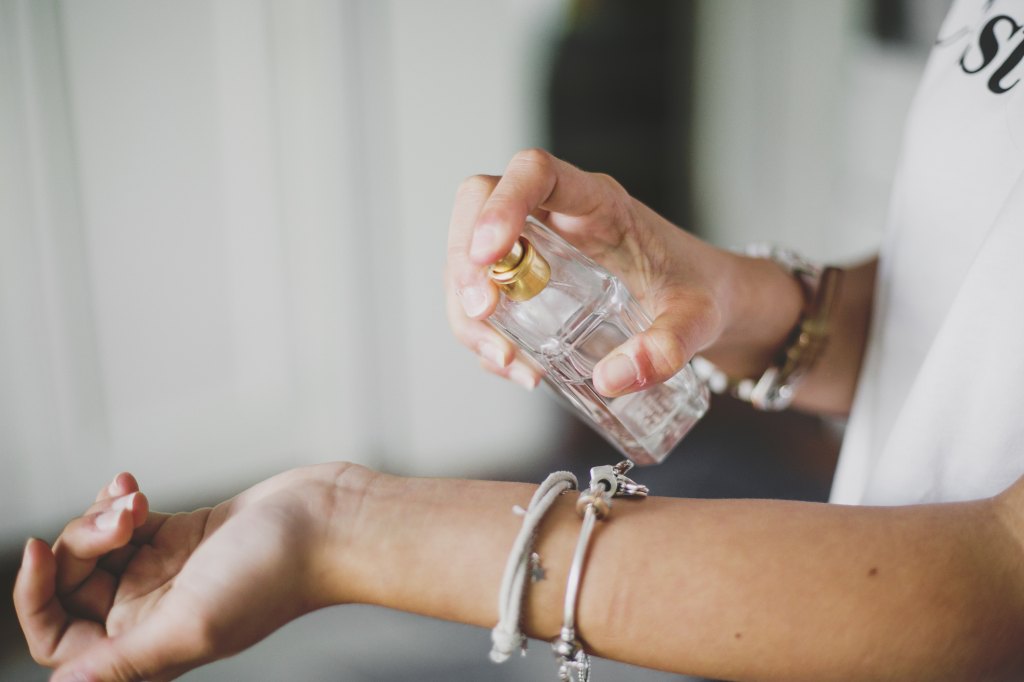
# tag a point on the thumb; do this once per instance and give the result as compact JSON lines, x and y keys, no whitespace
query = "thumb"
{"x":656,"y":354}
{"x":141,"y":654}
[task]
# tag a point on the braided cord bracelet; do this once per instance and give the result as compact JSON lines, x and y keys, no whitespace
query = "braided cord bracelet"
{"x":507,"y":634}
{"x":606,"y":482}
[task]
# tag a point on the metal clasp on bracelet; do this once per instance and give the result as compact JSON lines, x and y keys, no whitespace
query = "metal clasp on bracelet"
{"x":606,"y":482}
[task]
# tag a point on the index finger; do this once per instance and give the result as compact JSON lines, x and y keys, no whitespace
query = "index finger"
{"x":122,"y":484}
{"x":534,"y":180}
{"x":40,"y":613}
{"x":106,"y":527}
{"x":462,"y":276}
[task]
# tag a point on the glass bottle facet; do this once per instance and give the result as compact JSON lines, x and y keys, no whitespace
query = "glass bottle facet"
{"x":579,"y":315}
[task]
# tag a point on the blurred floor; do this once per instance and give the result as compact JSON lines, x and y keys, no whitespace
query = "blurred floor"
{"x":734,"y":452}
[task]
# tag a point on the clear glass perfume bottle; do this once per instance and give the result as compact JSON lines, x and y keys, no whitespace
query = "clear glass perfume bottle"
{"x":567,"y":312}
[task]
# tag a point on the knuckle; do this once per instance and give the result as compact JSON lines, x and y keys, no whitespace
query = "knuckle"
{"x":41,"y":654}
{"x":666,"y":352}
{"x":458,"y":319}
{"x":453,"y":310}
{"x":42,"y":646}
{"x":70,"y":526}
{"x":616,"y":203}
{"x":459,"y":272}
{"x":534,"y":156}
{"x":476,"y":186}
{"x":455,"y":263}
{"x":610,"y":184}
{"x":449,"y":283}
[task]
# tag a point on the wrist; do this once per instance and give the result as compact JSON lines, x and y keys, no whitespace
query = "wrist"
{"x":336,"y":497}
{"x":436,"y":547}
{"x":761,"y":304}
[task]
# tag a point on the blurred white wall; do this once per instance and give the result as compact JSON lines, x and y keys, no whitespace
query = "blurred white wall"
{"x":799,"y":120}
{"x":222,"y":223}
{"x":222,"y":227}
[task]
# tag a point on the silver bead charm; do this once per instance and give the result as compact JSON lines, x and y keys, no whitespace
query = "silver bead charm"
{"x":573,"y":662}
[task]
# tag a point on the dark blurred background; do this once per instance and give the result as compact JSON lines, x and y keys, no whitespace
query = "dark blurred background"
{"x":221,"y":227}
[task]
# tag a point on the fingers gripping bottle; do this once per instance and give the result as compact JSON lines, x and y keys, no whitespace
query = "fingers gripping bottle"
{"x":567,"y":312}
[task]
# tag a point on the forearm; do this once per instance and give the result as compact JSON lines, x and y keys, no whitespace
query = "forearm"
{"x":764,"y":307}
{"x":733,"y":589}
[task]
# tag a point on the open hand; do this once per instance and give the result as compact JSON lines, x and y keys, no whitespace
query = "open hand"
{"x":129,"y":594}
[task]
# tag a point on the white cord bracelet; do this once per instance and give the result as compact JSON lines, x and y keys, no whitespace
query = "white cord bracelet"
{"x":594,"y":503}
{"x":507,"y":635}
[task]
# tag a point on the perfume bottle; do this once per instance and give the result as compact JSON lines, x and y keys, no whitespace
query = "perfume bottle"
{"x":567,"y":312}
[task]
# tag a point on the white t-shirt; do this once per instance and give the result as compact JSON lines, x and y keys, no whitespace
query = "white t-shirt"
{"x":939,"y":410}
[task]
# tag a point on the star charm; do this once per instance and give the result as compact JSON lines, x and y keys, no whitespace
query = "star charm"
{"x":537,"y":572}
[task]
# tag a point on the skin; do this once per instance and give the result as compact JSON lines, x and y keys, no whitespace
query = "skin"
{"x":729,"y":589}
{"x":158,"y":594}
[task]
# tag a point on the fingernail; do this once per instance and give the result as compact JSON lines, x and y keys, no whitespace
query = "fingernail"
{"x":523,"y":377}
{"x":485,"y":239}
{"x":473,"y":299}
{"x":493,"y":353}
{"x":114,"y":489}
{"x":28,"y":543}
{"x":126,"y":502}
{"x":108,"y":520}
{"x":619,"y":373}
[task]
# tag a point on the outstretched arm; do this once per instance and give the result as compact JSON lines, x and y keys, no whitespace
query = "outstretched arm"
{"x":730,"y":589}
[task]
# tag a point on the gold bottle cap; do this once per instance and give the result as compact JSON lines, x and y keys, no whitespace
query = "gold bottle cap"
{"x":522,"y":273}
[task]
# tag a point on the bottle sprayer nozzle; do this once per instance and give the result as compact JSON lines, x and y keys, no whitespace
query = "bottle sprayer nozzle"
{"x":522,"y":273}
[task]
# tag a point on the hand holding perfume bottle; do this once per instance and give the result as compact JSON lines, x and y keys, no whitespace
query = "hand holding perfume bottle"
{"x":687,"y":297}
{"x":567,"y":313}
